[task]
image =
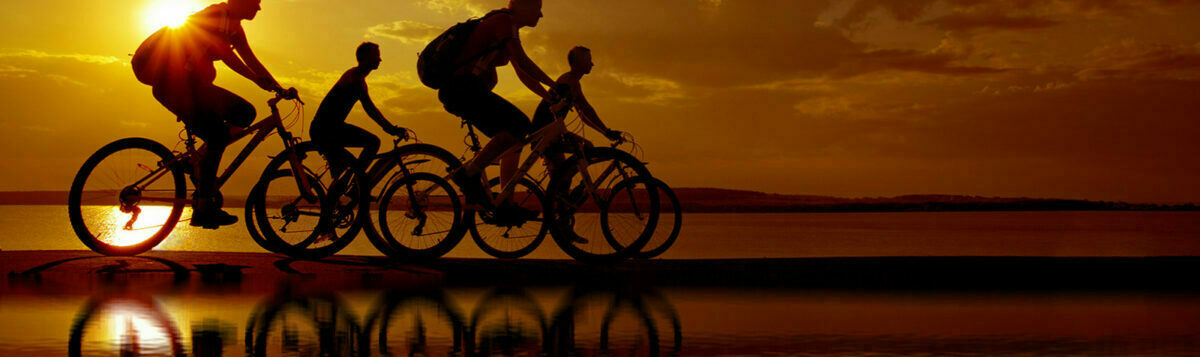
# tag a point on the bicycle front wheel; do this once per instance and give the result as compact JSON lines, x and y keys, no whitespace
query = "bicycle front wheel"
{"x":123,"y":201}
{"x":591,"y":223}
{"x":420,"y":217}
{"x":670,"y":213}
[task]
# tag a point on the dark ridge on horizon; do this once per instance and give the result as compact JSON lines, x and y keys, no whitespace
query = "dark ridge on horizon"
{"x":720,"y":200}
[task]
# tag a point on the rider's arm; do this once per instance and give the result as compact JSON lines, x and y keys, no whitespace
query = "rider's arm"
{"x":586,"y":111}
{"x":531,"y":75}
{"x":360,"y":85}
{"x":235,"y":63}
{"x":258,"y":74}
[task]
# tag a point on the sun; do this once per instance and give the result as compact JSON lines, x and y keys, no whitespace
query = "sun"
{"x":171,"y":13}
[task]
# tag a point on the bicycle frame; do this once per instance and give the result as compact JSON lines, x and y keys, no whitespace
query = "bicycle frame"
{"x":543,"y":138}
{"x":261,"y":130}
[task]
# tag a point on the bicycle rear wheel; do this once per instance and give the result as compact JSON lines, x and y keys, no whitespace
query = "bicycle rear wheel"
{"x":122,"y":201}
{"x":597,"y":226}
{"x":293,"y":225}
{"x":509,"y":237}
{"x":420,"y":217}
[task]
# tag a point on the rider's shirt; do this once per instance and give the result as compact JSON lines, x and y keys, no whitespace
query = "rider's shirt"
{"x":340,"y":100}
{"x":210,"y":32}
{"x":493,"y":31}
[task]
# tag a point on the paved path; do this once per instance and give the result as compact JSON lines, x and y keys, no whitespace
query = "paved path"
{"x":84,"y":272}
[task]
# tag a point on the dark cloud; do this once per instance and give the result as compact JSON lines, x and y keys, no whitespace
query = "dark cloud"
{"x":1132,"y":60}
{"x":969,"y":22}
{"x":907,"y":60}
{"x":999,"y":14}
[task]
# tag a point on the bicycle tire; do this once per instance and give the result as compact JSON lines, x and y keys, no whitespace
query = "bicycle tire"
{"x":595,"y":245}
{"x":418,"y":199}
{"x":340,"y":218}
{"x":655,"y":246}
{"x":496,"y":240}
{"x":430,"y":158}
{"x":90,"y":226}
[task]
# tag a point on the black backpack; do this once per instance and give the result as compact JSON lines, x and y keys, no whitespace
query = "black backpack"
{"x":436,"y":63}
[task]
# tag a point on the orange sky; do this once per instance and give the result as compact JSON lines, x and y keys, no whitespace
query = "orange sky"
{"x":1065,"y":98}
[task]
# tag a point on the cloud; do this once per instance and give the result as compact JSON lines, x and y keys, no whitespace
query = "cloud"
{"x":406,"y":31}
{"x":969,"y":22}
{"x":96,"y":59}
{"x":647,"y":89}
{"x":1133,"y":60}
{"x":908,"y":60}
{"x":473,"y":8}
{"x":997,"y":14}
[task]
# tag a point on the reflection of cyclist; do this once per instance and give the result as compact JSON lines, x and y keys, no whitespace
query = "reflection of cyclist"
{"x":329,"y":128}
{"x":469,"y":93}
{"x":580,"y":59}
{"x":187,"y":90}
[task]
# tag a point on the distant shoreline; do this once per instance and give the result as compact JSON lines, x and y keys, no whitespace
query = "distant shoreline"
{"x":713,"y":200}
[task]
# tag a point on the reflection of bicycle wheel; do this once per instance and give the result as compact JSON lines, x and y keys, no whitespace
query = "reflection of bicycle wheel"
{"x":135,"y":323}
{"x":317,"y":326}
{"x":669,"y":212}
{"x":406,"y":324}
{"x":605,"y":322}
{"x":511,"y":237}
{"x":508,"y":323}
{"x":420,"y":216}
{"x":602,"y":227}
{"x":118,"y":205}
{"x":652,"y":309}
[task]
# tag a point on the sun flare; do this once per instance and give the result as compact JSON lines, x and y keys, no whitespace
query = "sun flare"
{"x":171,"y":13}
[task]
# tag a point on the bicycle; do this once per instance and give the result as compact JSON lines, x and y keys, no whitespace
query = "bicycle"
{"x":129,"y":195}
{"x":428,"y":227}
{"x":588,"y":222}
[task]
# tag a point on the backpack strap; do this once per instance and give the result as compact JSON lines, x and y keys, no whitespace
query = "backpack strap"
{"x":491,"y":48}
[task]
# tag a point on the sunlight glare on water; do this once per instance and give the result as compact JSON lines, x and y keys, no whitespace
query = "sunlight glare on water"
{"x":112,"y":223}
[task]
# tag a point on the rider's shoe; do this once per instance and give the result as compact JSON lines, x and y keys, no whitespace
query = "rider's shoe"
{"x":510,"y":214}
{"x":472,"y":188}
{"x":212,"y":219}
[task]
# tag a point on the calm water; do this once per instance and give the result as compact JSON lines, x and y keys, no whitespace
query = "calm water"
{"x":780,"y":235}
{"x":662,"y":321}
{"x":582,"y":322}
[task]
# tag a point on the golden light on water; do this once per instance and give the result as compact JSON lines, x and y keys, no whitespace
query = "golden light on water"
{"x":147,"y":224}
{"x":133,"y":328}
{"x":170,"y":13}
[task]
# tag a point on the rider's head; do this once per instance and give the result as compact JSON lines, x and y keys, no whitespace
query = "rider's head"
{"x":580,"y":59}
{"x":244,"y":9}
{"x":368,"y":55}
{"x":525,"y":12}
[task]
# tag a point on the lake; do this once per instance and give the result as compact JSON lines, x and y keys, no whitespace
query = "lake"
{"x":646,"y":320}
{"x":772,"y":235}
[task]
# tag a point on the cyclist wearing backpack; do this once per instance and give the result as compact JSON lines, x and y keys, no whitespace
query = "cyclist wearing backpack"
{"x":329,"y":128}
{"x":178,"y":64}
{"x":467,"y":93}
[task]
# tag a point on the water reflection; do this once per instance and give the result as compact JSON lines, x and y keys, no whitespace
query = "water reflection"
{"x":130,"y":324}
{"x":504,"y":322}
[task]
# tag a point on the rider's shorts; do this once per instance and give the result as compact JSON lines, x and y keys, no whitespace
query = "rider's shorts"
{"x":487,"y":111}
{"x":213,"y":108}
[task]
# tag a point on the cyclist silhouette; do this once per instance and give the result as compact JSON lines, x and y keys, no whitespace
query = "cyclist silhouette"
{"x":469,"y":94}
{"x":187,"y":90}
{"x":568,"y":86}
{"x":329,"y":128}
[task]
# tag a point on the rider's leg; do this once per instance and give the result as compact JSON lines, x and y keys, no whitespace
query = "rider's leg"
{"x":215,"y":107}
{"x":508,"y":167}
